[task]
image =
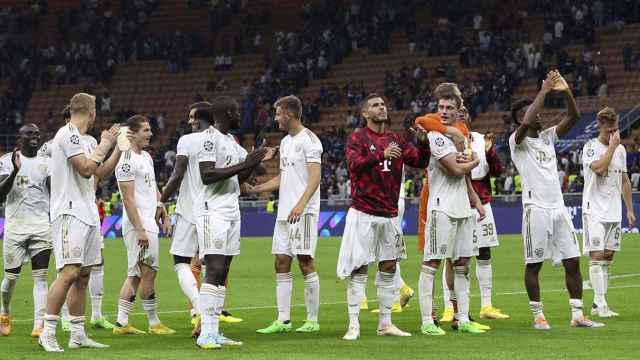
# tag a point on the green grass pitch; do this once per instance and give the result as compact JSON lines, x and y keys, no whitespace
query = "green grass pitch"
{"x":252,"y":296}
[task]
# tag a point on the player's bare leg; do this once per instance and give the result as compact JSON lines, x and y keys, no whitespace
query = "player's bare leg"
{"x":599,"y":276}
{"x":532,"y":284}
{"x":355,"y":294}
{"x":425,"y":296}
{"x":484,"y":273}
{"x":387,"y":294}
{"x":77,"y":300}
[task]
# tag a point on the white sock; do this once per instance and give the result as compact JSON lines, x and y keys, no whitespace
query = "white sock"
{"x":461,"y":288}
{"x":77,"y":328}
{"x":149,"y":306}
{"x":397,"y":279}
{"x":50,"y":324}
{"x":484,"y":273}
{"x":96,"y":290}
{"x":189,"y":285}
{"x":606,"y":264}
{"x":284,"y":288}
{"x":446,"y":294}
{"x":597,"y":283}
{"x":64,"y":312}
{"x":6,"y":291}
{"x":124,"y":308}
{"x":386,"y":296}
{"x":39,"y":296}
{"x":536,"y":309}
{"x":312,"y":295}
{"x":425,"y":288}
{"x":576,"y":309}
{"x":211,"y":304}
{"x":355,"y":294}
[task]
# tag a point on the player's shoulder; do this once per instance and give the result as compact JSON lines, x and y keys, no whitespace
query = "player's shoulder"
{"x":6,"y":157}
{"x":477,"y":136}
{"x":90,"y":139}
{"x":311,"y":136}
{"x":621,"y":149}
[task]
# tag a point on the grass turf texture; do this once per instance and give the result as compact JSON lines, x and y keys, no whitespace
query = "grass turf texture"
{"x":252,"y":296}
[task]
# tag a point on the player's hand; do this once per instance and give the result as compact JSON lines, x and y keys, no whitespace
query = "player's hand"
{"x":392,"y":151}
{"x":271,"y":153}
{"x":481,"y":210}
{"x":256,"y":156}
{"x":561,"y":84}
{"x":488,"y":141}
{"x":166,"y":227}
{"x":631,"y":219}
{"x":463,"y":114}
{"x":420,"y":134}
{"x":143,"y":240}
{"x":247,"y":188}
{"x":15,"y":159}
{"x":463,"y":158}
{"x":296,"y":212}
{"x":614,"y":139}
{"x":111,"y":135}
{"x":550,"y":82}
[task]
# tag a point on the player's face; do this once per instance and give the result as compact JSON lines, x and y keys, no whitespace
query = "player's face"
{"x":92,"y":116}
{"x":192,"y":120}
{"x":448,"y":111}
{"x":234,"y":117}
{"x":142,"y":137}
{"x":30,"y":137}
{"x":376,"y":111}
{"x":283,"y":118}
{"x":608,"y":127}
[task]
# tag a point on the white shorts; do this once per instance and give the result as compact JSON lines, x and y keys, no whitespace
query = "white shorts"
{"x":449,"y":238}
{"x":19,"y":248}
{"x":185,"y":238}
{"x":300,"y":238}
{"x":600,"y":236}
{"x":401,"y":207}
{"x":548,"y":234}
{"x":75,"y":242}
{"x":368,"y":239}
{"x":217,"y":236}
{"x":136,"y":255}
{"x":486,"y":229}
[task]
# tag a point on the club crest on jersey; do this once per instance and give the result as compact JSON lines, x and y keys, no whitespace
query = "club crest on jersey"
{"x":218,"y":244}
{"x":596,"y":242}
{"x":443,"y":249}
{"x":539,"y":252}
{"x":440,"y":141}
{"x":75,"y":139}
{"x":590,"y":152}
{"x":208,"y":145}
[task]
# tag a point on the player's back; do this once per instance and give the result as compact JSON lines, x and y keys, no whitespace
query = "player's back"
{"x":447,"y":192}
{"x":71,"y":194}
{"x":221,"y":197}
{"x":535,"y":159}
{"x":191,"y":187}
{"x":28,"y":200}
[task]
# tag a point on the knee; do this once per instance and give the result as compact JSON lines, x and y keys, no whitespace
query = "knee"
{"x":83,"y":278}
{"x":307,"y":265}
{"x":432,"y":263}
{"x":11,"y":276}
{"x":282,"y":263}
{"x":462,"y":262}
{"x":69,"y":273}
{"x":572,"y":266}
{"x":484,"y":253}
{"x":608,"y":255}
{"x":533,"y":268}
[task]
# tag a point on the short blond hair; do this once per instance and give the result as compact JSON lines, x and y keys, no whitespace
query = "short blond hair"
{"x":607,"y":114}
{"x":82,"y":104}
{"x":448,"y":91}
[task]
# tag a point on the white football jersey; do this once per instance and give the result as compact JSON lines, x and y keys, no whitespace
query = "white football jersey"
{"x":221,"y":198}
{"x":477,"y":145}
{"x":295,"y":153}
{"x":71,"y":194}
{"x":191,"y":187}
{"x":139,"y":169}
{"x":601,"y":197}
{"x":535,"y":159}
{"x":27,"y":206}
{"x":447,"y":193}
{"x":403,"y":192}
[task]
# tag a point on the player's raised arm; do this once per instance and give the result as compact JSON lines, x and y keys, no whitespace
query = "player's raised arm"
{"x":7,"y":176}
{"x":86,"y":167}
{"x":106,"y":169}
{"x":532,"y":114}
{"x":176,"y":178}
{"x":572,"y":107}
{"x":600,"y":166}
{"x":432,"y":122}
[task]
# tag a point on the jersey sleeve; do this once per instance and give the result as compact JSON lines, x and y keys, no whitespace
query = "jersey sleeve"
{"x":313,"y":150}
{"x":588,"y":155}
{"x":6,"y":167}
{"x":125,"y":170}
{"x":359,"y":157}
{"x":551,"y":134}
{"x":431,"y":122}
{"x":71,"y":143}
{"x":440,"y":146}
{"x":208,"y":150}
{"x":623,"y":155}
{"x":181,"y":149}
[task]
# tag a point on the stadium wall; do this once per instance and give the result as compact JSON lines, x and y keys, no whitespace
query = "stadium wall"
{"x":257,"y":222}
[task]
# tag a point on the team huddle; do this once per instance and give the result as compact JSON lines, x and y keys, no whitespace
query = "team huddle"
{"x":50,"y":190}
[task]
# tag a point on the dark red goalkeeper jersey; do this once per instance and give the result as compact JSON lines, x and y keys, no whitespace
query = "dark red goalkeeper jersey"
{"x":375,"y":182}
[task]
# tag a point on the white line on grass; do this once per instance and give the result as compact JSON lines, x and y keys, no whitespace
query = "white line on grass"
{"x":239,"y":308}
